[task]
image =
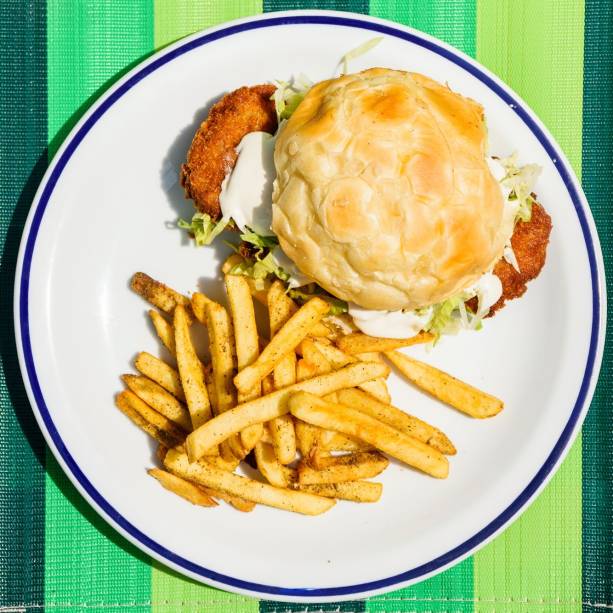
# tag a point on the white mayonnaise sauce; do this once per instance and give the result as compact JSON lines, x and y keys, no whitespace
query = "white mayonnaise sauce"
{"x":389,"y":324}
{"x":246,"y":195}
{"x":246,"y":192}
{"x":488,"y":290}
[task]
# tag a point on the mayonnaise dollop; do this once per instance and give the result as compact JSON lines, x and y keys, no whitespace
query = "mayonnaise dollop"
{"x":246,"y":192}
{"x":389,"y":324}
{"x":246,"y":195}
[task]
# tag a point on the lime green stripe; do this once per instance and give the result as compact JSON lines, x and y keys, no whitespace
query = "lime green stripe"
{"x":537,"y":47}
{"x":453,"y":22}
{"x":88,"y":44}
{"x":177,"y":18}
{"x":170,"y":591}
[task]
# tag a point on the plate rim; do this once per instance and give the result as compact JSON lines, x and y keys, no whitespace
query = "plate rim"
{"x":28,"y":368}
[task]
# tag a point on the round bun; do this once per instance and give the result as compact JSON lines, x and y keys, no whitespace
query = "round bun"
{"x":383,"y":194}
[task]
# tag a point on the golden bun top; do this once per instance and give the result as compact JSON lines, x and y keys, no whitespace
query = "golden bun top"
{"x":383,"y":194}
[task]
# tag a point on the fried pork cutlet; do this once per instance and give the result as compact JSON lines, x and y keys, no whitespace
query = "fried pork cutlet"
{"x":212,"y":153}
{"x":529,"y":242}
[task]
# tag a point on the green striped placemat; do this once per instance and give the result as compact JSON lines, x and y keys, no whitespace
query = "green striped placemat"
{"x":56,"y":57}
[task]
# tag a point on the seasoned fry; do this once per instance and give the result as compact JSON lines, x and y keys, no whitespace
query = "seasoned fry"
{"x":158,"y":294}
{"x":164,"y":330}
{"x":210,"y":476}
{"x":334,"y":441}
{"x":221,"y":342}
{"x":247,"y":344}
{"x":336,"y":469}
{"x":446,"y":388}
{"x":377,"y":389}
{"x":160,"y":453}
{"x":307,"y":436}
{"x":296,"y":328}
{"x":155,"y":425}
{"x":305,"y":370}
{"x":199,"y":302}
{"x":396,"y":418}
{"x":163,"y":374}
{"x":361,"y":343}
{"x":185,"y":489}
{"x":369,"y":356}
{"x":222,"y":355}
{"x":272,"y":470}
{"x":240,"y":504}
{"x":190,"y":371}
{"x":353,"y":423}
{"x":280,"y":310}
{"x":159,"y":399}
{"x":357,"y":491}
{"x":274,"y":405}
{"x":311,"y":354}
{"x":283,"y":438}
{"x":337,"y":358}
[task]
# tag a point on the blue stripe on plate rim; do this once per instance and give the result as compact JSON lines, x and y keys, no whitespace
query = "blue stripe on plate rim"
{"x":132,"y":532}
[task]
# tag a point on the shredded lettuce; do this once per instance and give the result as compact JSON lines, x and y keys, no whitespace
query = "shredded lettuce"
{"x":203,"y":228}
{"x":337,"y":306}
{"x":259,"y":241}
{"x":358,"y":51}
{"x":259,"y":269}
{"x":520,"y":180}
{"x":288,"y":96}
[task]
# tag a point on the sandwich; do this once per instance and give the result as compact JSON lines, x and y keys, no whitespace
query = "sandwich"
{"x":374,"y":190}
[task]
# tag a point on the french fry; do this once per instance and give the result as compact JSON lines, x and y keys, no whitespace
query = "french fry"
{"x":240,"y":504}
{"x":377,"y":389}
{"x":296,"y":328}
{"x":272,"y":470}
{"x":361,"y":343}
{"x":336,"y":469}
{"x":307,"y":436}
{"x":396,"y":418}
{"x":446,"y":388}
{"x":274,"y":405}
{"x":283,"y":438}
{"x":163,"y":329}
{"x":305,"y":370}
{"x":248,"y":489}
{"x":160,"y":453}
{"x":268,"y":386}
{"x":334,"y":441}
{"x":247,"y":344}
{"x":221,"y":339}
{"x":158,"y":294}
{"x":338,"y":359}
{"x":155,"y":425}
{"x":159,"y":399}
{"x":163,"y":374}
{"x":221,"y":342}
{"x":280,"y":310}
{"x":199,"y":302}
{"x":185,"y":489}
{"x":356,"y":491}
{"x":370,"y":356}
{"x":353,"y":423}
{"x":190,"y":371}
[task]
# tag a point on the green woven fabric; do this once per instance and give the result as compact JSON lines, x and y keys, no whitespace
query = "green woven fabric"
{"x":56,"y":57}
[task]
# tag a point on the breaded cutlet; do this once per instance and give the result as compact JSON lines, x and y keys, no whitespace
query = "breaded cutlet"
{"x":213,"y":150}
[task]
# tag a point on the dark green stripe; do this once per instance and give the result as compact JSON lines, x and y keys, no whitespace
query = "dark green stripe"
{"x":357,"y":6}
{"x":23,"y":158}
{"x":597,"y":182}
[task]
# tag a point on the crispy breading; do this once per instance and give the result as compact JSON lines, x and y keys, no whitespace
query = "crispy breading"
{"x":213,"y":150}
{"x":529,"y":241}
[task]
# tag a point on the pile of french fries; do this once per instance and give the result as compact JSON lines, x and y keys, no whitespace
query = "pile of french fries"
{"x":308,"y":406}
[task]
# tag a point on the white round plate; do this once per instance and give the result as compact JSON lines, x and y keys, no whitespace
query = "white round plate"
{"x":101,"y":214}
